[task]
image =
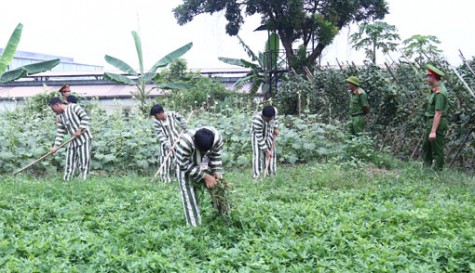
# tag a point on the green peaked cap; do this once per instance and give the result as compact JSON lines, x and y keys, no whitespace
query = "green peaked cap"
{"x":354,"y":80}
{"x":435,"y":70}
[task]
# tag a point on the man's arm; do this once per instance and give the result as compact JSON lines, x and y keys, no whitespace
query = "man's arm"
{"x":182,"y":120}
{"x":215,"y":161}
{"x":258,"y":131}
{"x":435,"y":125}
{"x":60,"y":132}
{"x":161,"y":135}
{"x":364,"y":103}
{"x":83,"y":117}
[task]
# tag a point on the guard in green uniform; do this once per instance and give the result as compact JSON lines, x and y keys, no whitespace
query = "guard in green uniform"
{"x":436,"y":122}
{"x":359,"y":106}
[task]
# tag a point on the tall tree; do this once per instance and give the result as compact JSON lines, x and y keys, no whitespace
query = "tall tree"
{"x":371,"y":37}
{"x":422,"y":47}
{"x":310,"y":25}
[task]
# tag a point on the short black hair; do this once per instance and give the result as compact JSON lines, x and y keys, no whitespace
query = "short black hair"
{"x":156,"y":109}
{"x":72,"y":99}
{"x":54,"y":101}
{"x":268,"y":111}
{"x":204,"y":139}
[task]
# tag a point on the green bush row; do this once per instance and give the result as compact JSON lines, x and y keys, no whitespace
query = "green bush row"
{"x":125,"y":141}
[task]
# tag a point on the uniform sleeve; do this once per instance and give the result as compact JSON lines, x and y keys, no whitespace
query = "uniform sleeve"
{"x":215,"y":162}
{"x":182,"y":121}
{"x":440,"y":102}
{"x":184,"y":160}
{"x":364,"y":100}
{"x":60,"y":132}
{"x":258,"y":131}
{"x":83,"y":117}
{"x":276,"y":118}
{"x":161,"y":135}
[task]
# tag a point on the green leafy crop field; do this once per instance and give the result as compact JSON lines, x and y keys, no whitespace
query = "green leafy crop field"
{"x":310,"y":218}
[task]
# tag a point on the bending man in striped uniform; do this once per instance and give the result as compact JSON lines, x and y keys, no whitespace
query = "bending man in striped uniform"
{"x":263,"y":133}
{"x":165,"y":125}
{"x":199,"y":162}
{"x":72,"y":119}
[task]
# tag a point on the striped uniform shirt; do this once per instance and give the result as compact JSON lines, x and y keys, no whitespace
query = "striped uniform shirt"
{"x":72,"y":119}
{"x":189,"y":157}
{"x":167,"y":130}
{"x":263,"y":131}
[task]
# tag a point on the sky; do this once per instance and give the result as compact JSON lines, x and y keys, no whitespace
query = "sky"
{"x":86,"y":30}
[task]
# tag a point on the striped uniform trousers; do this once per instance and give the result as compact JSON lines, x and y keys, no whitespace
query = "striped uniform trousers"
{"x":79,"y":150}
{"x":262,"y":135}
{"x":190,"y":174}
{"x":167,"y":132}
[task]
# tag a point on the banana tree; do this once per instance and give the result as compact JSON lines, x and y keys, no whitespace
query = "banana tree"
{"x":260,"y":65}
{"x":141,"y":77}
{"x":22,"y":71}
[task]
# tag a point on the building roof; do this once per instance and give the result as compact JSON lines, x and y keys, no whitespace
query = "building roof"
{"x":88,"y":91}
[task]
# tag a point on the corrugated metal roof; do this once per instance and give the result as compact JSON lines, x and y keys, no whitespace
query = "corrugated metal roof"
{"x":102,"y":91}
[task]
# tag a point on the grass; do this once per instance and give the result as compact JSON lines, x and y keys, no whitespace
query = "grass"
{"x":309,"y":218}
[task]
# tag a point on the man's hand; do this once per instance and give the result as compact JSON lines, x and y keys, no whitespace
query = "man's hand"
{"x":218,"y":175}
{"x":210,"y":181}
{"x":54,"y":149}
{"x":432,"y":136}
{"x":78,"y":133}
{"x":276,"y":132}
{"x":269,"y":154}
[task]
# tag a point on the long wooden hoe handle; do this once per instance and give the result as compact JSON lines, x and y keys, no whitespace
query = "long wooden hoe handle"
{"x":170,"y":152}
{"x":44,"y":156}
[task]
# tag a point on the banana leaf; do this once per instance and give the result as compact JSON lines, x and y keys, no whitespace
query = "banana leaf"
{"x":13,"y":75}
{"x":170,"y":57}
{"x":40,"y":66}
{"x":243,"y":81}
{"x":138,"y":46}
{"x":247,"y":49}
{"x":147,"y":77}
{"x":10,"y":48}
{"x":250,"y":65}
{"x":272,"y":47}
{"x":232,"y":61}
{"x":119,"y":64}
{"x":118,"y":78}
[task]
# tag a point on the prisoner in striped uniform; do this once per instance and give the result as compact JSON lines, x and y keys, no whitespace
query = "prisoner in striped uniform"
{"x":72,"y":119}
{"x":167,"y":130}
{"x":263,"y":132}
{"x":198,"y":162}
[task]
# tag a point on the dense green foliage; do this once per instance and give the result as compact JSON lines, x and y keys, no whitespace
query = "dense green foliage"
{"x":397,"y":104}
{"x":311,"y":218}
{"x":125,"y":141}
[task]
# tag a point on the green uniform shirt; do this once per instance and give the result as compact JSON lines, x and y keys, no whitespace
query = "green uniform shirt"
{"x":438,"y":101}
{"x":358,"y":101}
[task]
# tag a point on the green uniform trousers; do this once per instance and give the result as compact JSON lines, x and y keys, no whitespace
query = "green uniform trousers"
{"x":357,"y":125}
{"x":433,"y":151}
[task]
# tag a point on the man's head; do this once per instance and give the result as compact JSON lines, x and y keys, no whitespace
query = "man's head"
{"x":268,"y":113}
{"x":157,"y":112}
{"x":204,"y":140}
{"x":353,"y":82}
{"x":57,"y":105}
{"x":65,"y":91}
{"x":71,"y":99}
{"x":433,"y":75}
